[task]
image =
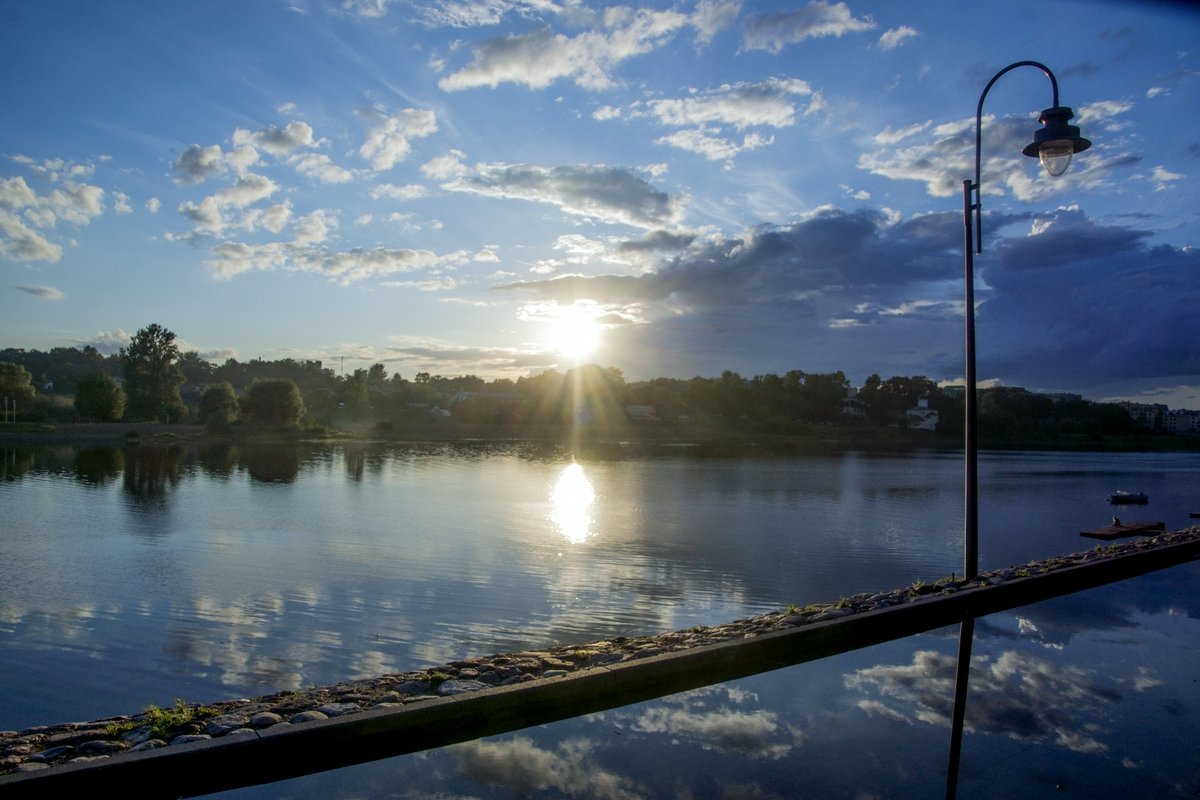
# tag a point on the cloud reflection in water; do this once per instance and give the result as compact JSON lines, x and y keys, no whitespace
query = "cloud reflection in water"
{"x":1014,"y":694}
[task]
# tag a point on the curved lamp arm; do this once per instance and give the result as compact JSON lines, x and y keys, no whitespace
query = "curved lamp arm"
{"x":1055,"y":143}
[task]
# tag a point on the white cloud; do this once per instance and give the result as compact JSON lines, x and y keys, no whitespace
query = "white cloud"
{"x":714,"y":148}
{"x":19,"y":241}
{"x":889,"y":136}
{"x":208,"y":215}
{"x":713,"y":16}
{"x":277,"y":141}
{"x":773,"y":32}
{"x":891,"y":39}
{"x":412,"y":191}
{"x":446,"y":167}
{"x":198,"y":163}
{"x":22,"y":210}
{"x":538,"y":59}
{"x":389,"y":139}
{"x":121,"y":203}
{"x":1164,"y":178}
{"x":153,"y":205}
{"x":44,"y":292}
{"x":367,"y":8}
{"x":108,"y":342}
{"x":604,"y":193}
{"x":743,"y":105}
{"x":320,"y":167}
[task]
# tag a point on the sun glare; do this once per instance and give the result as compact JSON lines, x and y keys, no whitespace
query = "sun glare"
{"x":571,"y":499}
{"x":574,"y":332}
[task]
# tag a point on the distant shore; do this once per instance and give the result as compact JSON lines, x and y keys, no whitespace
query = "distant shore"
{"x":816,"y":439}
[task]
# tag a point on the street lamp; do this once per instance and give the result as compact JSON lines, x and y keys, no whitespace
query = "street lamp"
{"x":1054,"y":145}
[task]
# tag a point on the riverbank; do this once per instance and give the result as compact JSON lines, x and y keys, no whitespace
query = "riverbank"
{"x":45,"y":747}
{"x":816,"y":439}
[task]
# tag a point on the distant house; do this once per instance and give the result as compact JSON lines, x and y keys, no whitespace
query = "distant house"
{"x":642,"y":413}
{"x":853,"y":407}
{"x":922,"y":418}
{"x":1148,"y":415}
{"x":1181,"y":421}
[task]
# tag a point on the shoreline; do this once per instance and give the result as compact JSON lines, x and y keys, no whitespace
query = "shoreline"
{"x":46,"y":746}
{"x":816,"y":440}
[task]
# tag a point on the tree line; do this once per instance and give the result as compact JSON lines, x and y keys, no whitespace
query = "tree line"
{"x":150,"y":379}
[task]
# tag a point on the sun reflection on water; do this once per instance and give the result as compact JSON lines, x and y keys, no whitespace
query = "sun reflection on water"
{"x":572,"y":498}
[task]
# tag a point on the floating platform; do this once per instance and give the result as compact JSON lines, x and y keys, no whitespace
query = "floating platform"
{"x":1139,"y":528}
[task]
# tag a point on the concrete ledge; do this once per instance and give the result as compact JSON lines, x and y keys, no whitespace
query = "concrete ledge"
{"x":286,"y":752}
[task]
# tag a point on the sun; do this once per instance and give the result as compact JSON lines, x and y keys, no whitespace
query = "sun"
{"x":574,"y":331}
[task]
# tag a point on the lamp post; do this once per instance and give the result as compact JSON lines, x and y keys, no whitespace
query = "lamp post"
{"x":1053,"y":144}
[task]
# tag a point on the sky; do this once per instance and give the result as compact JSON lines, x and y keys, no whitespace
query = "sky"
{"x":500,"y":188}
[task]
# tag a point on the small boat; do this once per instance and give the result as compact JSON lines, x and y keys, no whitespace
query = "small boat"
{"x":1128,"y":498}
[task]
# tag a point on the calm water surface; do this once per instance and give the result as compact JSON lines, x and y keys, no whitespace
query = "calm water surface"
{"x":142,"y":575}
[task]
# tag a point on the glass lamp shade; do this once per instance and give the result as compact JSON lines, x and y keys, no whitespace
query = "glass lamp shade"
{"x":1056,"y":156}
{"x":1057,"y":141}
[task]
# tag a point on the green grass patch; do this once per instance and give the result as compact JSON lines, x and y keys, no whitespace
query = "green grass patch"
{"x":163,"y":722}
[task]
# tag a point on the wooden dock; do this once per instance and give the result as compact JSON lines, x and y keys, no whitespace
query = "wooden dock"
{"x":1138,"y":528}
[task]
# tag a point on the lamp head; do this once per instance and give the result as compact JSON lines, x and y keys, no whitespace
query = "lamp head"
{"x":1057,"y":141}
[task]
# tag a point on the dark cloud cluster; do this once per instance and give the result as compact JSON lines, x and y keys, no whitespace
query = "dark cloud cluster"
{"x":1063,"y":300}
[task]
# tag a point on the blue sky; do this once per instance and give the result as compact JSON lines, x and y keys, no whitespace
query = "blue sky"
{"x":671,"y":189}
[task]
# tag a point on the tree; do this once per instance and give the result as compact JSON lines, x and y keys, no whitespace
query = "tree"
{"x":274,"y":402}
{"x":153,"y":375}
{"x":376,"y":376}
{"x":218,"y":406}
{"x":354,"y":392}
{"x":16,"y":383}
{"x":98,"y":397}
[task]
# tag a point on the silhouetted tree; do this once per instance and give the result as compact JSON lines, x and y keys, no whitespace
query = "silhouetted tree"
{"x":273,"y":402}
{"x":218,"y":406}
{"x":98,"y":397}
{"x":16,"y":383}
{"x":152,"y":375}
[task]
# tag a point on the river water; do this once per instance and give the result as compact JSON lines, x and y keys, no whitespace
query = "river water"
{"x":132,"y":576}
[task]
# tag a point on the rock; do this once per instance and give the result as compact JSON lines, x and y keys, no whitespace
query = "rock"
{"x":515,"y":679}
{"x":338,"y":709}
{"x":453,"y":687}
{"x":188,"y":738}
{"x":149,"y":744}
{"x":223,"y":725}
{"x":414,"y":687}
{"x":308,"y":716}
{"x":52,"y":753}
{"x":101,"y":747}
{"x":604,"y":659}
{"x":137,"y":735}
{"x":265,"y":719}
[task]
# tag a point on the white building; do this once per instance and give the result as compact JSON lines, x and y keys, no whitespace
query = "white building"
{"x":922,"y":418}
